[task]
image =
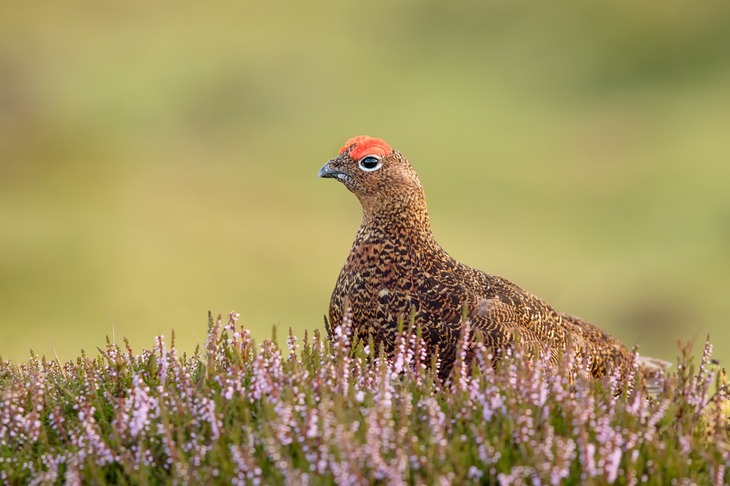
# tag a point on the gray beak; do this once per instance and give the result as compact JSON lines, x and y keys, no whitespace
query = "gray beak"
{"x":328,"y":172}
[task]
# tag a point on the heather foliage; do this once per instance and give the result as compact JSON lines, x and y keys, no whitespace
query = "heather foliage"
{"x":243,"y":413}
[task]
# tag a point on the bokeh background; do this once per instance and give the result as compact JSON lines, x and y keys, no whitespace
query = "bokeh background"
{"x":159,"y":160}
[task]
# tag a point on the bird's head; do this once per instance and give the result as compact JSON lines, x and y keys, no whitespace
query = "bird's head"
{"x":380,"y":177}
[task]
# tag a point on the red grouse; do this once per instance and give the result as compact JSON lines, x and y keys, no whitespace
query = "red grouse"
{"x":396,"y":271}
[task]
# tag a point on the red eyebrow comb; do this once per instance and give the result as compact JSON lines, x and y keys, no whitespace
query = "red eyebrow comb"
{"x":365,"y":145}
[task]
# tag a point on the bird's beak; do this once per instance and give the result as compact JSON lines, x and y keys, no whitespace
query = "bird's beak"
{"x":328,"y":172}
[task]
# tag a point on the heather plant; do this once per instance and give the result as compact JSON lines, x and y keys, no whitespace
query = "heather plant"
{"x":333,"y":412}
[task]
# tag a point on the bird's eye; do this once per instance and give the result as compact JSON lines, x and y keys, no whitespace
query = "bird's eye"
{"x":370,"y":163}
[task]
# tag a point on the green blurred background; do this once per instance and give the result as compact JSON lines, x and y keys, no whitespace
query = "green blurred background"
{"x":160,"y":160}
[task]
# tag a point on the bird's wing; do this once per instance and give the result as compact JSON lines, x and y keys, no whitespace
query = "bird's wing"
{"x":505,"y":306}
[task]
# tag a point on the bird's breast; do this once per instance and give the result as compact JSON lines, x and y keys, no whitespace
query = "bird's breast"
{"x":378,"y":278}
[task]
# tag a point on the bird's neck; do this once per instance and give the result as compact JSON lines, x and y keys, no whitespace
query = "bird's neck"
{"x":401,"y":221}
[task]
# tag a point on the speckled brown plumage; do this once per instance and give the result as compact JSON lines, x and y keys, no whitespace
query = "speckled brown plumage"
{"x":397,"y":271}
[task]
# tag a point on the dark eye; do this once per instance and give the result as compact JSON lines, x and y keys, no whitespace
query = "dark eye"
{"x":370,"y":163}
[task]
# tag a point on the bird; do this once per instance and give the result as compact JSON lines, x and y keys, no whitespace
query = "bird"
{"x":396,"y":272}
